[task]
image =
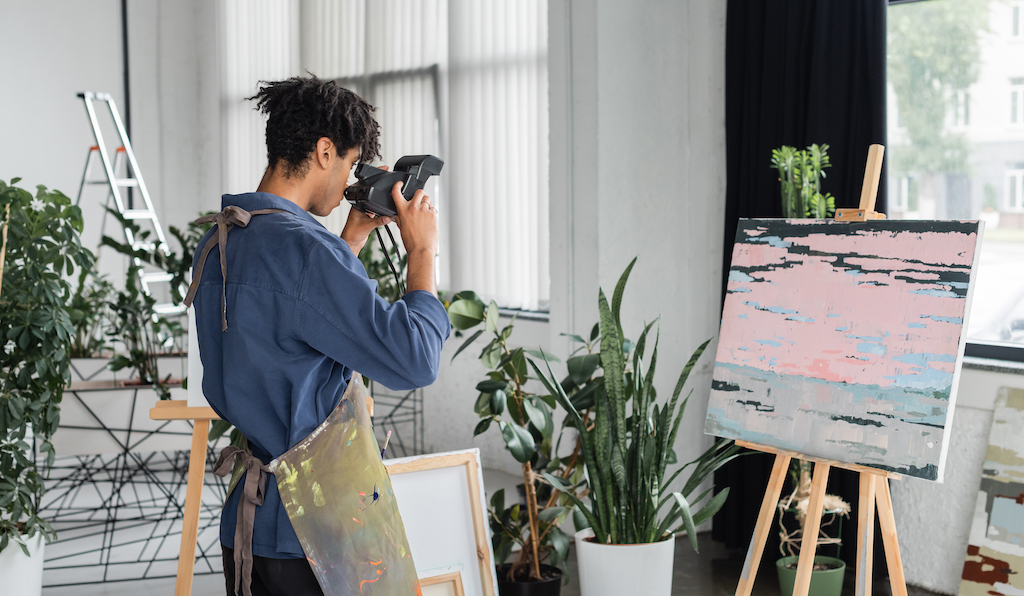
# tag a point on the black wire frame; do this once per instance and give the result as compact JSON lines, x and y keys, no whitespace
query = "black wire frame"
{"x":402,"y":414}
{"x":118,"y":516}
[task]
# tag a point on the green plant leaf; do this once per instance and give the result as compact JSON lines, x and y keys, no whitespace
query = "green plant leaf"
{"x":542,"y":355}
{"x":483,"y":405}
{"x":518,"y":440}
{"x":492,"y":317}
{"x":491,"y":355}
{"x":549,"y":514}
{"x":466,"y":343}
{"x":581,"y":368}
{"x":560,"y":541}
{"x":620,"y":288}
{"x":482,"y":426}
{"x":489,"y":386}
{"x":465,"y":314}
{"x":539,"y":417}
{"x":498,"y":402}
{"x":688,"y":525}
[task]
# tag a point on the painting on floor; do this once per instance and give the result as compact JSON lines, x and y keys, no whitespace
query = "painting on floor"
{"x":995,"y":550}
{"x":844,"y":340}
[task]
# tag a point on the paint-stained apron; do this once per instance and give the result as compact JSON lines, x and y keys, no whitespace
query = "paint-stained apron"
{"x":333,"y":485}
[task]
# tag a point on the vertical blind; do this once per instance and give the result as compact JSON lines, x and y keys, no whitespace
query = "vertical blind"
{"x":499,"y":149}
{"x":462,"y":79}
{"x":259,"y":43}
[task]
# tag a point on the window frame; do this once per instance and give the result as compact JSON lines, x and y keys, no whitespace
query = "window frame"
{"x":990,"y":350}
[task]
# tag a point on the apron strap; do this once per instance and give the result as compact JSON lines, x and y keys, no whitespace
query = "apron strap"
{"x":253,"y":492}
{"x":225,"y":220}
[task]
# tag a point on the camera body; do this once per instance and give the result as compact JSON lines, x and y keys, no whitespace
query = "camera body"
{"x":372,"y":194}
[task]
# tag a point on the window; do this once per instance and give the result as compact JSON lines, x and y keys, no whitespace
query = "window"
{"x":964,"y":166}
{"x":1017,"y":100}
{"x":1015,"y":191}
{"x":462,"y":79}
{"x":961,"y":109}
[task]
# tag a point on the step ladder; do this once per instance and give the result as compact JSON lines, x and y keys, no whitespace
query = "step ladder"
{"x":131,"y":179}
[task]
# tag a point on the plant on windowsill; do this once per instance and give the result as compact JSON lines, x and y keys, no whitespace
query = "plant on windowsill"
{"x":528,"y":429}
{"x":626,"y":453}
{"x":800,"y":174}
{"x":828,"y":572}
{"x":41,"y":244}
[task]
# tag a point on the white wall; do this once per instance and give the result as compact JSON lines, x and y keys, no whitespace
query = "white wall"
{"x":933,"y":520}
{"x":638,"y":154}
{"x":52,"y":50}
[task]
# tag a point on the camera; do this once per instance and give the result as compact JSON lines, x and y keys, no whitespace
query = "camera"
{"x":372,"y":194}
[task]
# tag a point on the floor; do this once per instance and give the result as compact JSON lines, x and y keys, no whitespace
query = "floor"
{"x":713,"y":572}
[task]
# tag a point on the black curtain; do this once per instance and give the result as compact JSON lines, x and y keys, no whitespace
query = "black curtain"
{"x":797,"y":72}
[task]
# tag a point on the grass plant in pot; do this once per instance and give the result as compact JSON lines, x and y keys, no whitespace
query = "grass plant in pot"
{"x":629,"y":546}
{"x":828,"y":572}
{"x":527,"y":426}
{"x":41,"y":244}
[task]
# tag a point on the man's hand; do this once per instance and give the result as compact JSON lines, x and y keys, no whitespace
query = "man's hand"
{"x":358,"y":227}
{"x":418,"y":222}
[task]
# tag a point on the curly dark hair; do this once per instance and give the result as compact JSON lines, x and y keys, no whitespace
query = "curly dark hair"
{"x":304,"y":109}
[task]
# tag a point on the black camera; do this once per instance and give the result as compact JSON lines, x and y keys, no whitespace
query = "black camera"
{"x":372,"y":194}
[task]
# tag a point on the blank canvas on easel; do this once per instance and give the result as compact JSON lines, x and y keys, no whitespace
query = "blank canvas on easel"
{"x":843,"y":340}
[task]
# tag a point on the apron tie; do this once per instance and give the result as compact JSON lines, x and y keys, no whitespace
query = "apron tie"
{"x":253,"y":492}
{"x":225,"y":220}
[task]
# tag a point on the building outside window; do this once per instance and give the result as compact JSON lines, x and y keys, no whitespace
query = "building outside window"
{"x":956,"y":79}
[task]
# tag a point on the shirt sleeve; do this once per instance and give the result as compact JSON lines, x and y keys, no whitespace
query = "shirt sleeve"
{"x":341,"y":316}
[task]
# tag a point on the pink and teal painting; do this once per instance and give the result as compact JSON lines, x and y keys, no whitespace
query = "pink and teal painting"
{"x":844,"y":340}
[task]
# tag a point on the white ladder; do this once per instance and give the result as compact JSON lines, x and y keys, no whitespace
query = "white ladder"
{"x":131,"y":179}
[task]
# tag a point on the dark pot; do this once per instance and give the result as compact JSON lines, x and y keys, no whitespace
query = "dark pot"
{"x":545,"y":587}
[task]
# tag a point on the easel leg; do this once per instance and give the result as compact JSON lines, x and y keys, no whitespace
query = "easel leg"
{"x":193,"y":498}
{"x":764,"y":524}
{"x":865,"y":532}
{"x":812,"y":525}
{"x":887,"y":521}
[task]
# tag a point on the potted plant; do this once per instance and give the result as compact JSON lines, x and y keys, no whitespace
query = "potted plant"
{"x":800,"y":174}
{"x":527,"y":426}
{"x":41,"y":244}
{"x":629,"y":545}
{"x":828,"y":573}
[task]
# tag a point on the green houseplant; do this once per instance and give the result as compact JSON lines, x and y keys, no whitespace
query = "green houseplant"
{"x":42,"y":244}
{"x":626,"y":451}
{"x":527,"y":426}
{"x":828,"y":572}
{"x":800,"y":174}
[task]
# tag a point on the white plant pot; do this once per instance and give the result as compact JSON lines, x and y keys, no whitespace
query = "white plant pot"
{"x":618,"y":569}
{"x":23,"y":576}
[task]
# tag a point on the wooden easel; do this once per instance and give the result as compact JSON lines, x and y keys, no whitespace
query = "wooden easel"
{"x":874,"y":488}
{"x":201,"y":417}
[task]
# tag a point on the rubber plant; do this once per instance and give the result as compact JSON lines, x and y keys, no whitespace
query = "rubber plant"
{"x":527,"y":426}
{"x":629,"y":446}
{"x":41,"y":245}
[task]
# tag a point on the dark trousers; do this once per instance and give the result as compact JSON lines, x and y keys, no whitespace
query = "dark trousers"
{"x":273,"y":577}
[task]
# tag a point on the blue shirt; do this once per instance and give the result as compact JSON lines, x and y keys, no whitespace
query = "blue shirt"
{"x":302,"y":316}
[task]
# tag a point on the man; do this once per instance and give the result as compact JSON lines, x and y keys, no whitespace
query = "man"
{"x":282,"y":333}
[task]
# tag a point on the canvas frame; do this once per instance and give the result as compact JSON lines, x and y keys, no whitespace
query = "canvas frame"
{"x":469,"y":461}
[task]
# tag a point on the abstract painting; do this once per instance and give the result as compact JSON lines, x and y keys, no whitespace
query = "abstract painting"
{"x":338,"y":496}
{"x":844,"y":340}
{"x":995,"y":550}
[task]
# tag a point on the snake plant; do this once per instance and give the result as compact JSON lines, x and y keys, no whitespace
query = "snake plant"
{"x":629,"y":446}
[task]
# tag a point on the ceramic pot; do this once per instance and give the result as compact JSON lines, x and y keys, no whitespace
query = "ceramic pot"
{"x":23,"y":576}
{"x":827,"y":582}
{"x":547,"y":587}
{"x":617,"y":569}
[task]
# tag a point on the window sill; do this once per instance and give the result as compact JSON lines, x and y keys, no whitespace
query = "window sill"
{"x":993,"y":357}
{"x":525,"y":315}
